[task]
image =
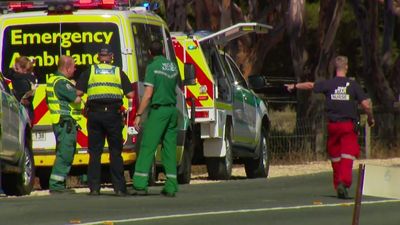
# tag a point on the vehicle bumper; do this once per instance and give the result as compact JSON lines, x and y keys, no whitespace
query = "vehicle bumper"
{"x":81,"y":159}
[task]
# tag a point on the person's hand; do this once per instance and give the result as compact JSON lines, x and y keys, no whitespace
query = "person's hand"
{"x":24,"y":101}
{"x":136,"y":124}
{"x":371,"y":121}
{"x":290,"y":87}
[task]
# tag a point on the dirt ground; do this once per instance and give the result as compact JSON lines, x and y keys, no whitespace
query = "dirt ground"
{"x":199,"y":173}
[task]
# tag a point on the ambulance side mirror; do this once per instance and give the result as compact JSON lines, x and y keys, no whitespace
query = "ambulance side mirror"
{"x":190,"y":74}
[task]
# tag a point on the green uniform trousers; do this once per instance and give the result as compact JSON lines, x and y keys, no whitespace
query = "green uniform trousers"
{"x":161,"y":126}
{"x":65,"y":133}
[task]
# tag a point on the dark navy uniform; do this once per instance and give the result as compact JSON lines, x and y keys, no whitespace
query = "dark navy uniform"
{"x":105,"y":86}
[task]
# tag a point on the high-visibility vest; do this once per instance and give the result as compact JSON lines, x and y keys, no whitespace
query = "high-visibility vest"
{"x":59,"y":107}
{"x":104,"y":82}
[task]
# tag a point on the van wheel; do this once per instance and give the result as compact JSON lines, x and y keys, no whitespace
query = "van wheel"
{"x":259,"y":167}
{"x":44,"y":177}
{"x":220,"y":168}
{"x":185,"y":168}
{"x":21,"y":183}
{"x":153,"y":174}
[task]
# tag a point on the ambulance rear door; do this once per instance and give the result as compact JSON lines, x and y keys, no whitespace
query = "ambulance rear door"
{"x":201,"y":94}
{"x":46,"y":38}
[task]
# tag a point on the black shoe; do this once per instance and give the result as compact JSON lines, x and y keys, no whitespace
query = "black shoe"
{"x":121,"y":193}
{"x":342,"y":192}
{"x":94,"y":193}
{"x":139,"y":192}
{"x":61,"y":191}
{"x":167,"y":194}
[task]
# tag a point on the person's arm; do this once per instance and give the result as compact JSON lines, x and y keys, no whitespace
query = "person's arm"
{"x":148,"y":93}
{"x":300,"y":86}
{"x":367,"y":107}
{"x":126,"y":85}
{"x":81,"y":84}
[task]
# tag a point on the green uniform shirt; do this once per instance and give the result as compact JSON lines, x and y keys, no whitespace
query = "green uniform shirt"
{"x":64,"y":90}
{"x":162,"y":75}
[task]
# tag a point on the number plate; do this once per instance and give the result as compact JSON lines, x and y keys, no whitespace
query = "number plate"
{"x":39,"y":136}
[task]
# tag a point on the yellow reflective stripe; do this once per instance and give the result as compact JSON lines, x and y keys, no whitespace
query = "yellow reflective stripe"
{"x":171,"y":176}
{"x":348,"y":156}
{"x":337,"y":159}
{"x":57,"y":177}
{"x":225,"y":106}
{"x":141,"y":174}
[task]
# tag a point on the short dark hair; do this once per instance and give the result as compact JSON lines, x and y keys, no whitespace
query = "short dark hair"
{"x":156,"y":47}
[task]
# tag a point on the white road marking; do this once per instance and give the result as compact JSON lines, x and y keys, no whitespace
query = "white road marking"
{"x":238,"y":211}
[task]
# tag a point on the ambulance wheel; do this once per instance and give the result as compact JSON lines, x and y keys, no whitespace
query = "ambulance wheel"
{"x":259,"y":167}
{"x":21,"y":183}
{"x":185,"y":167}
{"x":220,"y":168}
{"x":153,"y":174}
{"x":44,"y":177}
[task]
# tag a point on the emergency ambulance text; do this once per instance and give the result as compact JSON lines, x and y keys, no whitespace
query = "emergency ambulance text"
{"x":19,"y":37}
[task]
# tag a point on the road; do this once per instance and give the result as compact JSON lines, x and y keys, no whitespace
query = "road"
{"x":300,"y":200}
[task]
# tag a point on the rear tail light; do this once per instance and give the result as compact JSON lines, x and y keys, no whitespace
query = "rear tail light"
{"x":201,"y":114}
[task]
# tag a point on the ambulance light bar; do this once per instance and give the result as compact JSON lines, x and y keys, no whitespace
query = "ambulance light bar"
{"x":223,"y":36}
{"x":60,"y":6}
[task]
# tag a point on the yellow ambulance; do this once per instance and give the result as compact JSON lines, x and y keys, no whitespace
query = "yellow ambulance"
{"x":45,"y":30}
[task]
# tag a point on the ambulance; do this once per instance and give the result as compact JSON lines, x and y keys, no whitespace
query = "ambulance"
{"x":45,"y":30}
{"x":231,"y":121}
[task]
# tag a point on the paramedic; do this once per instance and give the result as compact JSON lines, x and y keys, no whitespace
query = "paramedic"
{"x":65,"y":109}
{"x":342,"y":95}
{"x":161,"y":125}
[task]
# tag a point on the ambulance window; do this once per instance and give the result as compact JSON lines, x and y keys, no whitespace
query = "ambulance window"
{"x":172,"y":56}
{"x":46,"y":42}
{"x":143,"y":35}
{"x":236,"y":72}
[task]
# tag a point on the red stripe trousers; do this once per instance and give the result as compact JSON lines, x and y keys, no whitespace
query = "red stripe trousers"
{"x":343,"y":149}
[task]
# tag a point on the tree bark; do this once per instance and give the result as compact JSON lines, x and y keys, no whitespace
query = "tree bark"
{"x":330,"y":16}
{"x":295,"y":31}
{"x":226,"y":14}
{"x":367,"y":21}
{"x":388,"y":30}
{"x":177,"y":15}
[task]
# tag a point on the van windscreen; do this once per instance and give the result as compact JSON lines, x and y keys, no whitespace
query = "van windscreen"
{"x":47,"y":42}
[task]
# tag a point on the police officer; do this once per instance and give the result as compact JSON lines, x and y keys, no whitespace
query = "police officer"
{"x":105,"y":86}
{"x":342,"y":95}
{"x":65,"y":110}
{"x":161,"y":125}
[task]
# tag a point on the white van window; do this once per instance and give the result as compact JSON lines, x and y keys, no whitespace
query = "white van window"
{"x":46,"y":42}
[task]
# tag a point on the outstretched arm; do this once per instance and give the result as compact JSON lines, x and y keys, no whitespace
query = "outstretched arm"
{"x":300,"y":86}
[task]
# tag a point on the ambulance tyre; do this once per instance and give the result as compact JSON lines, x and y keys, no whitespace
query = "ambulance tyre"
{"x":153,"y":174}
{"x":259,"y":167}
{"x":44,"y":177}
{"x":220,"y":168}
{"x":21,"y":183}
{"x":185,"y":168}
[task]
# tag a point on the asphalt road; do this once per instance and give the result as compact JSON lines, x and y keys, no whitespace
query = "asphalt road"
{"x":301,"y":200}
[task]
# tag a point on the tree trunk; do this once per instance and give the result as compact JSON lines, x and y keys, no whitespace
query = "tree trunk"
{"x":330,"y":16}
{"x":177,"y":15}
{"x":387,"y":36}
{"x":295,"y":31}
{"x":226,"y":14}
{"x":367,"y":20}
